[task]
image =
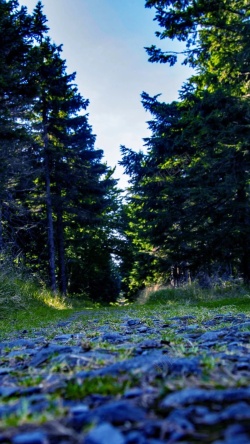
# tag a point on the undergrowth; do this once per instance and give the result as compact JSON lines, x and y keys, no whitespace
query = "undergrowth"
{"x":192,"y":295}
{"x":26,"y":303}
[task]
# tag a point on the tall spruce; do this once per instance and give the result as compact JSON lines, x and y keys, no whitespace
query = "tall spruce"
{"x":14,"y":97}
{"x":191,"y":189}
{"x":72,"y":180}
{"x":217,"y":122}
{"x":58,"y":198}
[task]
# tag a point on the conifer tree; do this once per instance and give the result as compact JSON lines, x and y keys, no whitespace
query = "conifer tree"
{"x":14,"y":97}
{"x":190,"y":191}
{"x":72,"y":181}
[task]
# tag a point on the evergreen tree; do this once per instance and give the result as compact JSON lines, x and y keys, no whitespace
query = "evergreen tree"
{"x":58,"y":198}
{"x":14,"y":97}
{"x":190,"y":192}
{"x":217,"y":122}
{"x":72,"y":180}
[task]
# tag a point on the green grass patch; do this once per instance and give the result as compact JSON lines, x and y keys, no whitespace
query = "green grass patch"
{"x":24,"y":416}
{"x":240,"y":302}
{"x":237,"y":297}
{"x":26,"y":304}
{"x":106,"y":385}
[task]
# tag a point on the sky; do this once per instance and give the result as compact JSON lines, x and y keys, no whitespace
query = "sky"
{"x":103,"y":42}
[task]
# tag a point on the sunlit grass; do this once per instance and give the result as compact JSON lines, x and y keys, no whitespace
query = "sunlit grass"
{"x":26,"y":303}
{"x":192,"y":296}
{"x":54,"y":300}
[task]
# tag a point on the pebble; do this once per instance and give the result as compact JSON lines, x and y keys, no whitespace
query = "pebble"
{"x":104,"y":434}
{"x":30,"y":438}
{"x":35,"y":373}
{"x":197,"y":395}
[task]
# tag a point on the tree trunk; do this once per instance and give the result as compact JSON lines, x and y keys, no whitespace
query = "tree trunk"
{"x":50,"y":228}
{"x":1,"y":227}
{"x":245,"y":233}
{"x":61,"y":252}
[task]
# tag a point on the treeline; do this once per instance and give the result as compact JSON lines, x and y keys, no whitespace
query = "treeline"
{"x":187,"y":207}
{"x":58,"y":198}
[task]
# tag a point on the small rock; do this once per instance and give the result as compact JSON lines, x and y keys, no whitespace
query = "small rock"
{"x":234,"y":431}
{"x":212,"y":335}
{"x":236,"y":412}
{"x":192,"y":395}
{"x":104,"y":433}
{"x":179,"y":422}
{"x":114,"y":338}
{"x":6,"y":370}
{"x":135,"y":437}
{"x":63,"y":324}
{"x":245,"y":325}
{"x":118,"y":412}
{"x":6,"y":392}
{"x":142,"y":330}
{"x":133,"y":393}
{"x":150,"y":343}
{"x":18,"y":343}
{"x":30,"y":438}
{"x":241,"y":366}
{"x":133,"y":322}
{"x":64,"y":338}
{"x":79,"y":409}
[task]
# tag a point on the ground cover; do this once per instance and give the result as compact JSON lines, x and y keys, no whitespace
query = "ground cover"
{"x":172,"y":367}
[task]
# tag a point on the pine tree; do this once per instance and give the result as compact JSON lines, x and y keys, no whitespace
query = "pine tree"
{"x":14,"y":97}
{"x":217,"y":46}
{"x":70,"y":173}
{"x":190,"y":192}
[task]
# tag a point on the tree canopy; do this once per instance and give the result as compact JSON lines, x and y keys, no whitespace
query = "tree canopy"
{"x":189,"y":194}
{"x":187,"y":206}
{"x":57,"y":195}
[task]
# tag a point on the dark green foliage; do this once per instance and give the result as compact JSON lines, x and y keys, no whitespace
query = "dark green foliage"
{"x":14,"y":99}
{"x":55,"y":189}
{"x":189,"y":194}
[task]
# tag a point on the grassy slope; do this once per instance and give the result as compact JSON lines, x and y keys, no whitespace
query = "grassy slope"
{"x":25,"y":305}
{"x":192,"y":297}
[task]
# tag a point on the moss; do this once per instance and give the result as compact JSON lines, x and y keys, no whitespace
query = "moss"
{"x":105,"y":385}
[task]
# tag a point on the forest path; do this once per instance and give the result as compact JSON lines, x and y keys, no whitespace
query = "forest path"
{"x":101,"y":378}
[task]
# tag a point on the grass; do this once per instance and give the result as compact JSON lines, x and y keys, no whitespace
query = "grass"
{"x":24,"y":416}
{"x":26,"y":304}
{"x":237,"y":297}
{"x":107,"y":385}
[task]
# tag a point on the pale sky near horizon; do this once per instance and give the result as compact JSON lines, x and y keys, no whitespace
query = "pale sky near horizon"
{"x":103,"y":41}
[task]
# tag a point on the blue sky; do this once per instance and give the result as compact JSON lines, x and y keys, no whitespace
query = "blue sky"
{"x":103,"y":41}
